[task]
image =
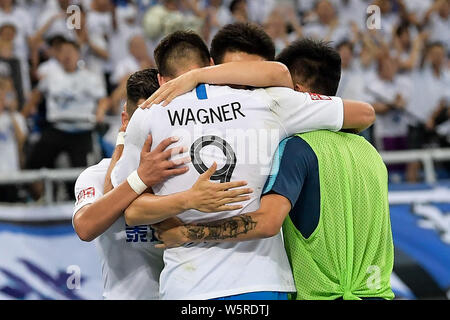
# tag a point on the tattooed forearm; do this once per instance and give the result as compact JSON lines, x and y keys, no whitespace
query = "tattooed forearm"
{"x":221,"y":230}
{"x":195,"y":233}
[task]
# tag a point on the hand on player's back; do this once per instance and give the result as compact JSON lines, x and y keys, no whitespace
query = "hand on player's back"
{"x":208,"y":196}
{"x":172,"y":89}
{"x":155,"y":166}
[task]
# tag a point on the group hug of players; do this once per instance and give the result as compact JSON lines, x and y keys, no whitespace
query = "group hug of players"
{"x":183,"y":210}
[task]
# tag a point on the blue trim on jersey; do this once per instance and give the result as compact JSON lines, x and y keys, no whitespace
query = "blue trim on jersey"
{"x":201,"y":92}
{"x":263,"y":295}
{"x":276,"y":165}
{"x":296,"y":177}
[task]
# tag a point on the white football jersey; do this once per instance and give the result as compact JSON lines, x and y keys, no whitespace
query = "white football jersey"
{"x":131,"y":265}
{"x":240,"y":130}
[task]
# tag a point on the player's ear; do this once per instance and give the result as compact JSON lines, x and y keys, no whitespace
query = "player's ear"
{"x":125,"y":117}
{"x":300,"y":88}
{"x":161,"y":80}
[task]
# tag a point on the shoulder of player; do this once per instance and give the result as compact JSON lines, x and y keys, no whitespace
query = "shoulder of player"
{"x":283,"y":94}
{"x":256,"y":94}
{"x":216,"y":91}
{"x":297,"y":147}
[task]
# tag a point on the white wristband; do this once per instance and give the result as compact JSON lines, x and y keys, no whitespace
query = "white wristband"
{"x":136,"y":183}
{"x":120,"y":139}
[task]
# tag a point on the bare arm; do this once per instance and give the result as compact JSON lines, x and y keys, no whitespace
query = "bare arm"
{"x":266,"y":222}
{"x":431,"y":123}
{"x":20,"y":136}
{"x":30,"y":107}
{"x":104,"y":104}
{"x":92,"y":220}
{"x":18,"y":133}
{"x":38,"y":36}
{"x":358,"y":115}
{"x":249,"y":73}
{"x":205,"y":196}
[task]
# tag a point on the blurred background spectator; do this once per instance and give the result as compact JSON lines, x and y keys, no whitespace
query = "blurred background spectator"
{"x":13,"y":133}
{"x":73,"y":95}
{"x":69,"y":82}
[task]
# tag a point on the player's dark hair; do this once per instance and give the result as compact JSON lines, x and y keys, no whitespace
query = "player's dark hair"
{"x":177,"y":48}
{"x":242,"y":37}
{"x":140,"y":85}
{"x":314,"y":64}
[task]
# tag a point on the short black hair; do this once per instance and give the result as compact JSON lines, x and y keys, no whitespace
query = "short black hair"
{"x":313,"y":63}
{"x":140,"y":85}
{"x":242,"y":37}
{"x":178,"y":46}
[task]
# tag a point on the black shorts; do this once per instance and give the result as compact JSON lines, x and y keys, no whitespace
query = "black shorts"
{"x":53,"y":142}
{"x":419,"y":136}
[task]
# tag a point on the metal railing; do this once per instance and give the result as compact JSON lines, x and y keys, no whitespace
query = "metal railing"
{"x":427,"y":157}
{"x":47,"y":176}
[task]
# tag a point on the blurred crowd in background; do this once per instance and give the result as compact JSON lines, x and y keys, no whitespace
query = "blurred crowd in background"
{"x":64,"y":66}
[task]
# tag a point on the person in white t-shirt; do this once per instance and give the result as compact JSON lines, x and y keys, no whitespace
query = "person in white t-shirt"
{"x":389,"y":94}
{"x":137,"y":59}
{"x":13,"y":133}
{"x":12,"y":15}
{"x":127,"y":28}
{"x":417,"y":9}
{"x":351,"y":12}
{"x":100,"y":23}
{"x":437,"y":19}
{"x":131,"y":265}
{"x":353,"y":79}
{"x":75,"y":102}
{"x":52,"y":65}
{"x":234,"y":128}
{"x":327,"y":25}
{"x":430,"y":97}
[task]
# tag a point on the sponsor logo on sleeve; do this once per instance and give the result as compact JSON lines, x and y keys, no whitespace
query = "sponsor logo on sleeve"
{"x":85,"y":194}
{"x":317,"y":97}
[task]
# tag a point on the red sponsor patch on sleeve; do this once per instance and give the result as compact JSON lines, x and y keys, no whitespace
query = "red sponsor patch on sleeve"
{"x":86,"y":194}
{"x":316,"y":97}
